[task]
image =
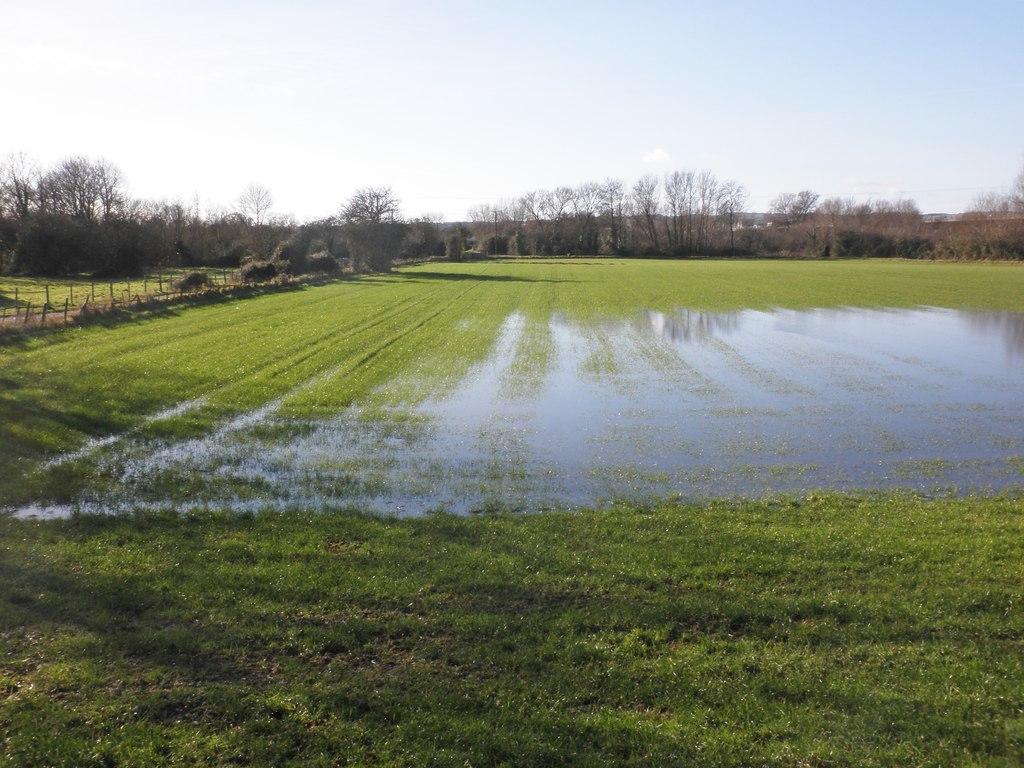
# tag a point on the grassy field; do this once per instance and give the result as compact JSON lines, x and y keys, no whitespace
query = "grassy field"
{"x":325,"y":348}
{"x":828,"y":630}
{"x":832,"y":632}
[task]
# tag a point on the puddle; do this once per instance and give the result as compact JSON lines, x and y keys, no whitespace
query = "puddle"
{"x":684,"y":403}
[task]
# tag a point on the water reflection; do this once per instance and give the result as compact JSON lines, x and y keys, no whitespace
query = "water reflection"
{"x":1007,"y":325}
{"x":687,"y":325}
{"x":690,"y":325}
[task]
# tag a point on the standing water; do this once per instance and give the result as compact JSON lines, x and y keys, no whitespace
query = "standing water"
{"x":684,"y":403}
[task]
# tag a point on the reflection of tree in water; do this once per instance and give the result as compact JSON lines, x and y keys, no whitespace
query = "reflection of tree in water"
{"x":689,"y":324}
{"x":1010,"y":325}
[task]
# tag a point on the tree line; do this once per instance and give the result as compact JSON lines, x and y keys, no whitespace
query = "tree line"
{"x":693,"y":214}
{"x":77,"y":217}
{"x":683,"y":213}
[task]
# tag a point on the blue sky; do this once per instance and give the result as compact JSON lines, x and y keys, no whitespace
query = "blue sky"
{"x":453,"y":103}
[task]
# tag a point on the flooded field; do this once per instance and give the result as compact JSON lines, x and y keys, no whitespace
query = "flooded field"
{"x":564,"y":411}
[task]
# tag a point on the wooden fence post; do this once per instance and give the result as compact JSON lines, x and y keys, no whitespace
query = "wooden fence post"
{"x":42,"y":320}
{"x":46,"y":288}
{"x":65,"y":310}
{"x":28,"y":308}
{"x":111,"y":295}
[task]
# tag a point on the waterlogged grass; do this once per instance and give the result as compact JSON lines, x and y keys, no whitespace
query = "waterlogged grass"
{"x":318,"y":349}
{"x":835,"y":631}
{"x":392,"y":340}
{"x":531,"y":361}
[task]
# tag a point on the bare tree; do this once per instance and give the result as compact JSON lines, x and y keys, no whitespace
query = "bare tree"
{"x":992,"y":204}
{"x":611,"y":201}
{"x":679,"y":204}
{"x":109,"y":192}
{"x":901,"y":216}
{"x":19,"y":185}
{"x":374,"y":227}
{"x":707,"y":193}
{"x":1017,"y":192}
{"x":586,"y":200}
{"x":647,"y":200}
{"x":69,"y":189}
{"x":485,"y":213}
{"x":83,"y":189}
{"x":552,"y":206}
{"x":789,"y":208}
{"x":556,"y":202}
{"x":586,"y":206}
{"x":732,"y":198}
{"x":371,"y":205}
{"x":834,"y":210}
{"x":255,"y":202}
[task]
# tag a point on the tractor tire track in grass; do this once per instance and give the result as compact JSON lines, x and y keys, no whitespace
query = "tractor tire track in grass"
{"x":235,"y":385}
{"x":754,"y":374}
{"x":198,"y":451}
{"x":362,"y":326}
{"x":361,"y":363}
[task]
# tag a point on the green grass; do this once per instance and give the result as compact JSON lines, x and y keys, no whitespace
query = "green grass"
{"x":835,"y":631}
{"x":329,"y":346}
{"x":829,"y":631}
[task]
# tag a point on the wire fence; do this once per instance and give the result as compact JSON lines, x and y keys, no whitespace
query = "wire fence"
{"x":61,"y":303}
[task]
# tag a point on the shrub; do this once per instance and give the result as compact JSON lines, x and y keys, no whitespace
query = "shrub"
{"x":322,"y":262}
{"x":258,"y":271}
{"x":454,"y":248}
{"x":338,"y":248}
{"x":373,"y":246}
{"x":494,"y":245}
{"x":232,"y":255}
{"x":325,"y":236}
{"x":129,"y":248}
{"x":184,"y":253}
{"x":57,"y":245}
{"x":519,"y":245}
{"x":913,"y":247}
{"x":49,"y":244}
{"x":192,"y":281}
{"x":851,"y":244}
{"x":291,"y":253}
{"x":978,"y":246}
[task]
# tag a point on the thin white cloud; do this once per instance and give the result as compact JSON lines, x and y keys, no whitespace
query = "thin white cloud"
{"x":657,"y":155}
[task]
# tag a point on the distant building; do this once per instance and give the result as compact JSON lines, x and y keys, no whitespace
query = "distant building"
{"x":752,"y":220}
